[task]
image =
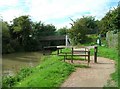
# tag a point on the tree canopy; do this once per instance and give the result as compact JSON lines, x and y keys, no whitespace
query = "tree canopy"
{"x":81,"y":27}
{"x":62,"y":31}
{"x":111,"y":21}
{"x":24,"y":34}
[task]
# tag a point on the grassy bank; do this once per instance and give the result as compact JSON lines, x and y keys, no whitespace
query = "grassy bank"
{"x":50,"y":73}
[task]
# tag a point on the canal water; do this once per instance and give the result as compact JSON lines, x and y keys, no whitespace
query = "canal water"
{"x":12,"y":63}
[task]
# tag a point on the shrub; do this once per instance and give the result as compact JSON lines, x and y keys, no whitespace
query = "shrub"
{"x":17,"y":47}
{"x":9,"y":81}
{"x":7,"y":48}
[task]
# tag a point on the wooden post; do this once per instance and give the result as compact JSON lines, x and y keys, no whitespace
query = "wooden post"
{"x":72,"y":56}
{"x":58,"y":52}
{"x":85,"y":53}
{"x":95,"y":54}
{"x":88,"y":57}
{"x":64,"y":57}
{"x":43,"y":51}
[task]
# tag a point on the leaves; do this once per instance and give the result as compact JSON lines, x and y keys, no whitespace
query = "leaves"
{"x":82,"y":27}
{"x":111,"y":21}
{"x":62,"y":31}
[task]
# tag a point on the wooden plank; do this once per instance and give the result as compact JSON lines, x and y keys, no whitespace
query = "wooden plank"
{"x":73,"y":55}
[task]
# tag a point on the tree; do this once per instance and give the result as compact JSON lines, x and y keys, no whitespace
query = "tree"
{"x":49,"y":30}
{"x":6,"y":46}
{"x":81,"y":27}
{"x":62,"y":31}
{"x":111,"y":21}
{"x":40,"y":29}
{"x":21,"y":29}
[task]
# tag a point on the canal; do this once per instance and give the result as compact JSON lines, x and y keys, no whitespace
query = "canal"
{"x":11,"y":63}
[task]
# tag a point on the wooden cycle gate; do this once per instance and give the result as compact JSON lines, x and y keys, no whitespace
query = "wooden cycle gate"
{"x":84,"y":51}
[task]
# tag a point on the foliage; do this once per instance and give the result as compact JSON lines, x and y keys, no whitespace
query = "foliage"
{"x":21,"y":30}
{"x":62,"y":31}
{"x":92,"y":39}
{"x":9,"y":81}
{"x":5,"y":30}
{"x":82,"y":27}
{"x":40,"y":29}
{"x":111,"y":21}
{"x":24,"y":34}
{"x":7,"y":47}
{"x":17,"y":47}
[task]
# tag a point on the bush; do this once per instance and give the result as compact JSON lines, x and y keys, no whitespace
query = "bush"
{"x":24,"y":72}
{"x":10,"y":81}
{"x":7,"y":48}
{"x":17,"y":47}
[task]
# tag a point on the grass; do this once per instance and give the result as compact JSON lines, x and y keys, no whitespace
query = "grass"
{"x":108,"y":53}
{"x":51,"y":73}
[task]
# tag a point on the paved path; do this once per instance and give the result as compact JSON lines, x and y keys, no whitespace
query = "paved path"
{"x":96,"y":76}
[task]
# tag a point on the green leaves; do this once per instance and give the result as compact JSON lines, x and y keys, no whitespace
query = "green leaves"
{"x":5,"y":30}
{"x":17,"y":29}
{"x":111,"y":21}
{"x":62,"y":31}
{"x":82,"y":27}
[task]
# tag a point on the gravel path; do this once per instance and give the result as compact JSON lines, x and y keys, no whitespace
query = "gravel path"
{"x":95,"y":76}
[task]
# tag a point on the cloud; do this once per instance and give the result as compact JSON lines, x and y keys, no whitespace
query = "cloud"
{"x":8,"y":2}
{"x":9,"y":15}
{"x":56,"y":12}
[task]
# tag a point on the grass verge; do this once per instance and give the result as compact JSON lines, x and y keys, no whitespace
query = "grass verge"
{"x":51,"y":73}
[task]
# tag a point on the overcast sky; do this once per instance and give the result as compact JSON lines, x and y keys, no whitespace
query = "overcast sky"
{"x":56,"y":12}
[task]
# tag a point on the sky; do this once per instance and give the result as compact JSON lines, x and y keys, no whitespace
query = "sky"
{"x":56,"y":12}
